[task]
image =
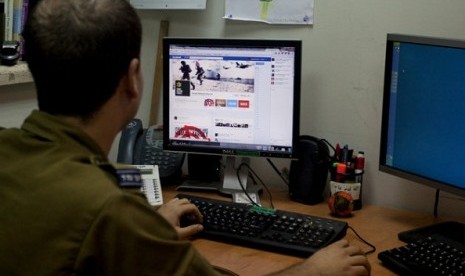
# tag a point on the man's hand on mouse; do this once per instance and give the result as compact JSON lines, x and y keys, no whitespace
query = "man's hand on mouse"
{"x":177,"y":208}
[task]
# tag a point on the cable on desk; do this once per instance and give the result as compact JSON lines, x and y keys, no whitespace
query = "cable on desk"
{"x":242,"y":185}
{"x":329,"y":156}
{"x":436,"y":203}
{"x":259,"y":179}
{"x":328,"y":143}
{"x":277,"y":171}
{"x":373,"y":248}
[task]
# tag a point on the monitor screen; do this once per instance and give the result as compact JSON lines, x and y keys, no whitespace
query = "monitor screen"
{"x":234,"y":97}
{"x":423,"y":120}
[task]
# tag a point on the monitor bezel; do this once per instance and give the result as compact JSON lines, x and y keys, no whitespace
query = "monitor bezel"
{"x":233,"y":42}
{"x":383,"y":167}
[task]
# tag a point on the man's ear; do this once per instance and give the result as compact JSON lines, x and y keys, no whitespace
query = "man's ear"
{"x":135,"y":81}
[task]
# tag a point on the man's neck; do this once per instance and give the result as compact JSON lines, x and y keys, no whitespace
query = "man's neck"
{"x":101,"y":131}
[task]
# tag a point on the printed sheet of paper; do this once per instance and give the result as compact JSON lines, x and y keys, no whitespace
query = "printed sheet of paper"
{"x":271,"y":11}
{"x":169,"y":4}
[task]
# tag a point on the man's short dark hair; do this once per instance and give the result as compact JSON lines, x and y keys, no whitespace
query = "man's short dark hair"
{"x":78,"y":50}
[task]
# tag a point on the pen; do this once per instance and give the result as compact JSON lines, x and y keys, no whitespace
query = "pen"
{"x":345,"y":154}
{"x":350,"y":156}
{"x":337,"y":152}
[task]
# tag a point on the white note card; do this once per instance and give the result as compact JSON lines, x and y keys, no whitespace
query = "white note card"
{"x":169,"y":4}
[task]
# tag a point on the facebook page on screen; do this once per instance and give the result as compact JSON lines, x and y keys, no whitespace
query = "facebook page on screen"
{"x":231,"y":96}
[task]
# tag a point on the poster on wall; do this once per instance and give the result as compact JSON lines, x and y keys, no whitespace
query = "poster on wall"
{"x":271,"y":11}
{"x":169,"y":4}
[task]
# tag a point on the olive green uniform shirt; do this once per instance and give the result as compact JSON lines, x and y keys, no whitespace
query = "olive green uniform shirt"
{"x":62,"y":212}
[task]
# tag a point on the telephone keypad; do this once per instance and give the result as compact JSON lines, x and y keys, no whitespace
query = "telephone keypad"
{"x":166,"y":161}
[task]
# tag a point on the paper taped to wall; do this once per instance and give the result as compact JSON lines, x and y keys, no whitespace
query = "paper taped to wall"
{"x":271,"y":11}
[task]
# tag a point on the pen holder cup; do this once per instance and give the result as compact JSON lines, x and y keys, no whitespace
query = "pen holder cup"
{"x":350,"y":182}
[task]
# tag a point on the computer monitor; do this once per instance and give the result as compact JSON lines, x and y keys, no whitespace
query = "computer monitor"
{"x":231,"y":97}
{"x":423,"y":119}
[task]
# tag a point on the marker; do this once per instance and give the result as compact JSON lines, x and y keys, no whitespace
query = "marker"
{"x":341,"y":172}
{"x":337,"y":152}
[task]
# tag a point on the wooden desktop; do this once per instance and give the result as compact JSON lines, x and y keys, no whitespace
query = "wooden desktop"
{"x":377,"y":225}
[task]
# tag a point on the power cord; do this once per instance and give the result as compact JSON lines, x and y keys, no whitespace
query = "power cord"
{"x":277,"y":171}
{"x":328,"y":156}
{"x":250,"y":170}
{"x":329,"y":144}
{"x":251,"y":200}
{"x":373,"y":248}
{"x":436,"y":203}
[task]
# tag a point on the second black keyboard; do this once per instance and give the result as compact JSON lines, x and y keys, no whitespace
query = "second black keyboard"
{"x":434,"y":255}
{"x":263,"y":228}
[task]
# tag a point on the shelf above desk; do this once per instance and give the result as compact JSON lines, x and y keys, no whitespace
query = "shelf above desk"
{"x":15,"y":74}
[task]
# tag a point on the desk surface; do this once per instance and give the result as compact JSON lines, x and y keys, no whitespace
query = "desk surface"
{"x":377,"y":225}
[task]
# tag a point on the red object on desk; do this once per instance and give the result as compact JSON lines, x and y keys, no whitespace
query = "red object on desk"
{"x":341,"y":204}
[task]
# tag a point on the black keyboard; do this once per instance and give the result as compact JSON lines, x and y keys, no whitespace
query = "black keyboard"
{"x":434,"y":255}
{"x":267,"y":229}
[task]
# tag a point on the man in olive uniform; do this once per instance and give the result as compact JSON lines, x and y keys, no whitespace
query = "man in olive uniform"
{"x":61,"y":209}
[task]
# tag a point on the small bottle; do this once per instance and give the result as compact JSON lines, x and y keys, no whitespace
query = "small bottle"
{"x":360,"y":164}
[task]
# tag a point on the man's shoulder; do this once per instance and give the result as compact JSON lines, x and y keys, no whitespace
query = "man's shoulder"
{"x":8,"y":130}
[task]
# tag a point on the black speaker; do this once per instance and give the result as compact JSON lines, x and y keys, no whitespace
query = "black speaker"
{"x":308,"y":174}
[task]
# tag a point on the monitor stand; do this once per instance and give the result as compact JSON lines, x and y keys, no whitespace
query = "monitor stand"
{"x":230,"y":184}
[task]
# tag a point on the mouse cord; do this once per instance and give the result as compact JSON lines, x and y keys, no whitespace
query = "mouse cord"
{"x":436,"y":203}
{"x":373,"y":248}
